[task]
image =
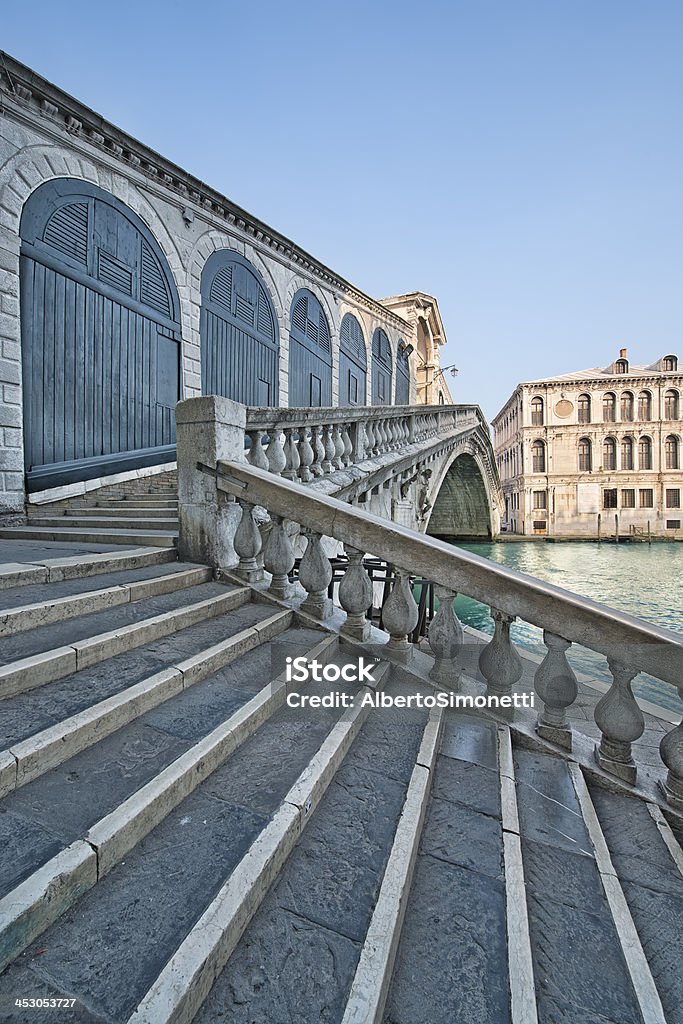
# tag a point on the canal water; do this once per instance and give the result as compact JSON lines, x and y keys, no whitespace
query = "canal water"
{"x":645,"y":580}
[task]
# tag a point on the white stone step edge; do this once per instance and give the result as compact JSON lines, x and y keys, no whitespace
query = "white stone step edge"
{"x":48,"y":666}
{"x":116,"y":521}
{"x":54,"y":745}
{"x":370,"y":985}
{"x":61,"y":534}
{"x":38,"y":901}
{"x":59,"y":609}
{"x":126,"y":509}
{"x":644,"y":986}
{"x":670,"y":841}
{"x":184,"y":983}
{"x":523,"y":1008}
{"x":55,"y":570}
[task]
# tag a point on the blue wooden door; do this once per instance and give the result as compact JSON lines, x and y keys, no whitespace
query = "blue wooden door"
{"x":402,"y":375}
{"x":239,"y":335}
{"x":100,"y":337}
{"x":310,"y":354}
{"x":352,"y":362}
{"x":381,"y":368}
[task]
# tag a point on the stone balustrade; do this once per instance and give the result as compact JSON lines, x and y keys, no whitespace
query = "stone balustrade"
{"x":629,"y":645}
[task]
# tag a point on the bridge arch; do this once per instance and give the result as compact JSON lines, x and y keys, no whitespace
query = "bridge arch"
{"x":462,"y":504}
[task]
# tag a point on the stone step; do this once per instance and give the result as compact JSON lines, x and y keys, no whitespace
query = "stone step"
{"x":649,"y":863}
{"x":38,"y":752}
{"x":33,"y":659}
{"x":452,"y":960}
{"x":49,"y":607}
{"x":158,"y":538}
{"x":165,"y":853}
{"x":36,"y":569}
{"x":124,"y":508}
{"x":570,"y":915}
{"x":115,"y":521}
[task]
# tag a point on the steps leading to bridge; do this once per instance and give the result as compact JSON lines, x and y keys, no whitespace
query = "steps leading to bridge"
{"x":238,"y":860}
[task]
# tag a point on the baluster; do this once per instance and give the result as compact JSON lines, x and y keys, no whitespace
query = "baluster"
{"x":620,"y":721}
{"x":247,"y":544}
{"x":381,"y":437}
{"x":328,"y":449}
{"x":257,"y":456}
{"x":291,"y":471}
{"x":499,"y":662}
{"x":278,"y":559}
{"x":671,"y":750}
{"x":355,"y":596}
{"x":306,"y":455}
{"x":338,"y":460}
{"x":391,"y":433}
{"x":399,"y":617}
{"x":445,"y":638}
{"x":556,"y":685}
{"x":370,"y":439}
{"x":347,"y":457}
{"x":275,"y":453}
{"x":315,"y":576}
{"x":318,"y":451}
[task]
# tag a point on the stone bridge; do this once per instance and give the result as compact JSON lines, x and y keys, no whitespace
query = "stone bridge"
{"x":431,"y":469}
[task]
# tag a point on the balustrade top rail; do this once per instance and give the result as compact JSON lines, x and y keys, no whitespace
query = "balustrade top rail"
{"x":446,"y":415}
{"x":617,"y":635}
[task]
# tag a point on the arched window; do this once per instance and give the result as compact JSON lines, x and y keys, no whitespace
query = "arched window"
{"x":585,"y":455}
{"x":381,"y":368}
{"x":609,"y":407}
{"x":100,"y":337}
{"x":403,"y":373}
{"x":538,"y":457}
{"x":621,"y":366}
{"x":238,"y":330}
{"x":671,"y":453}
{"x":584,"y":405}
{"x":310,"y":354}
{"x":609,"y":454}
{"x":353,"y":362}
{"x":671,"y":405}
{"x":645,"y":453}
{"x":669,"y":363}
{"x":627,"y":453}
{"x":537,"y":411}
{"x":627,"y":406}
{"x":645,"y":406}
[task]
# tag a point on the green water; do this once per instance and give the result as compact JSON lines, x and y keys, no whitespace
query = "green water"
{"x":644,"y":580}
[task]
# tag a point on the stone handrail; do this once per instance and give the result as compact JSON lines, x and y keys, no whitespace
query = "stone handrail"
{"x":302,"y":444}
{"x":629,"y":644}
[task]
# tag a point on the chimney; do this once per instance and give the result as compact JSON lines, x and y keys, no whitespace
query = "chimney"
{"x":622,"y":353}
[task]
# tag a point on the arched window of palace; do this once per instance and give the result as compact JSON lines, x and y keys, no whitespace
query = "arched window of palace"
{"x":609,"y":454}
{"x":353,"y":362}
{"x":310,"y":354}
{"x":621,"y":366}
{"x":381,"y":368}
{"x":402,"y":374}
{"x":627,"y":406}
{"x":100,"y":325}
{"x":671,"y":400}
{"x":238,"y":330}
{"x":645,"y":406}
{"x":585,"y":455}
{"x":627,"y":453}
{"x":537,"y":411}
{"x":609,"y":407}
{"x":669,"y":363}
{"x":538,"y":457}
{"x":645,"y":453}
{"x":672,"y":453}
{"x":584,"y":407}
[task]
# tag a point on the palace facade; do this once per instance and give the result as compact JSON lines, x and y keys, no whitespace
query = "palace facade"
{"x":595,"y":453}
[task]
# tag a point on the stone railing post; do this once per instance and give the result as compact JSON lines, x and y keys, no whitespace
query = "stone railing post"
{"x":355,"y":596}
{"x":248,"y":545}
{"x":671,"y":750}
{"x":621,"y":723}
{"x":208,"y":430}
{"x":278,"y":559}
{"x":257,"y":456}
{"x":445,"y":638}
{"x":315,"y":576}
{"x":499,"y":662}
{"x":399,"y":617}
{"x":556,"y":685}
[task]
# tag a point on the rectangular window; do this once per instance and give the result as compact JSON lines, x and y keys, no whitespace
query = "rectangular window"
{"x":628,"y":498}
{"x":673,"y":524}
{"x":673,"y":497}
{"x":540,"y":500}
{"x":539,"y":525}
{"x":645,"y":497}
{"x":609,"y":497}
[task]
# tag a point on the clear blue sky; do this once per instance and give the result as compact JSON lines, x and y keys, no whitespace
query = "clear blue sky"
{"x":520,"y":160}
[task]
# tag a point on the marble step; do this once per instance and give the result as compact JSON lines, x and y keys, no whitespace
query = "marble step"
{"x":123,"y":508}
{"x":37,"y":570}
{"x":148,"y":538}
{"x":115,"y":521}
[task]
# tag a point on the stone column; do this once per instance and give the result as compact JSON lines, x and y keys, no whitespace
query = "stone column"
{"x":208,"y":430}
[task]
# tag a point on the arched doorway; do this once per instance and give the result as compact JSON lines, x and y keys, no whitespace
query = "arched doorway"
{"x":381,"y":368}
{"x":239,"y":335}
{"x":353,"y":362}
{"x":402,"y":374}
{"x":100,"y":328}
{"x":310,"y":353}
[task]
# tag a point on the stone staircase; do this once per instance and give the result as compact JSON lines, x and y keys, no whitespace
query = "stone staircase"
{"x":179,"y":845}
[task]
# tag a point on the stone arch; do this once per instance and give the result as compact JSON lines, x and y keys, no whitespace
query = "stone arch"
{"x":463,"y":506}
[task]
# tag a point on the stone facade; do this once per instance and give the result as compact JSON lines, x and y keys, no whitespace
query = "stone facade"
{"x":594,"y":453}
{"x":45,"y":134}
